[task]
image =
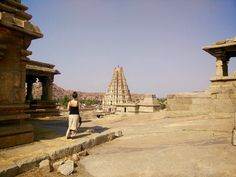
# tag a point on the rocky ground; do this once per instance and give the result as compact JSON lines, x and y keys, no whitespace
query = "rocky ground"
{"x":155,"y":145}
{"x":36,"y":172}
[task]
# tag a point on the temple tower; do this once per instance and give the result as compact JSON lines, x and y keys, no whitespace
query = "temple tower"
{"x":16,"y":34}
{"x":118,"y":91}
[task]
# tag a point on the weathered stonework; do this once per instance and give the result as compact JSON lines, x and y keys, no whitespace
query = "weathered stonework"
{"x":189,"y":104}
{"x":118,"y":97}
{"x":219,"y":101}
{"x":44,"y":72}
{"x":127,"y":108}
{"x":118,"y":91}
{"x":149,"y":104}
{"x":16,"y":34}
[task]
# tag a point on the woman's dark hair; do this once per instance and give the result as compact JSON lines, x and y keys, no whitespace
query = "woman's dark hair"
{"x":74,"y":95}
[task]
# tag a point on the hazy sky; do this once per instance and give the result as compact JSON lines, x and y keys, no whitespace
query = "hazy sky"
{"x":157,"y":42}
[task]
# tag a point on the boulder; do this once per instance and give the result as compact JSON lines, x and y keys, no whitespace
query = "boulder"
{"x":45,"y":165}
{"x":67,"y":168}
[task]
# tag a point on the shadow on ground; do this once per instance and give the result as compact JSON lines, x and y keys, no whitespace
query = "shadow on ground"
{"x":50,"y":129}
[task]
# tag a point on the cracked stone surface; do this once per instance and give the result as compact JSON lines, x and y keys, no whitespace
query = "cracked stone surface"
{"x":154,"y":145}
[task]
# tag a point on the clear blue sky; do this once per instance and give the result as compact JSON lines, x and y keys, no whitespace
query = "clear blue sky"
{"x":157,"y":42}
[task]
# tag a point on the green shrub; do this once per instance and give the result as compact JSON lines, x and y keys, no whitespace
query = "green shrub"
{"x":162,"y":102}
{"x":64,"y":100}
{"x":90,"y":102}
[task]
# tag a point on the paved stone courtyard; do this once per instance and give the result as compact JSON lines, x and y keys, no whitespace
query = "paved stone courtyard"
{"x":155,"y":145}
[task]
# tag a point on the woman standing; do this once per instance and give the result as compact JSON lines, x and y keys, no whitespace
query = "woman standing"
{"x":74,"y":117}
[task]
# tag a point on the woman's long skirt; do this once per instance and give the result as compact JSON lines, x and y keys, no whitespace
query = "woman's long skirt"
{"x":73,"y":123}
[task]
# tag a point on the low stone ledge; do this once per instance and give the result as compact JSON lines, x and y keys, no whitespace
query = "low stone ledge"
{"x":100,"y":139}
{"x":59,"y":153}
{"x":26,"y":164}
{"x":9,"y":171}
{"x":111,"y":136}
{"x":88,"y":144}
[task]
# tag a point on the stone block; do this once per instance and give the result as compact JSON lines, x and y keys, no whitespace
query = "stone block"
{"x":223,"y":105}
{"x":119,"y":133}
{"x":56,"y":164}
{"x":60,"y":153}
{"x":100,"y":139}
{"x":45,"y":166}
{"x":111,"y":136}
{"x":186,"y":100}
{"x":201,"y":101}
{"x":76,"y":148}
{"x":67,"y":168}
{"x":75,"y":157}
{"x":202,"y":109}
{"x":88,"y":144}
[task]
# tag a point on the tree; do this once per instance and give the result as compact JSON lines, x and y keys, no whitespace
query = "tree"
{"x":64,"y":101}
{"x":162,"y":102}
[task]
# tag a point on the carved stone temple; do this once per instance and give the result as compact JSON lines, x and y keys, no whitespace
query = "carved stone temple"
{"x":118,"y":91}
{"x":118,"y":98}
{"x":17,"y":71}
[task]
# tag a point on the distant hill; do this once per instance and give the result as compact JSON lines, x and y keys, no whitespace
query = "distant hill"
{"x":59,"y":92}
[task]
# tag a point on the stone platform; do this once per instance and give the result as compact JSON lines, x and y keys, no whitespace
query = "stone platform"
{"x":50,"y":144}
{"x":153,"y":145}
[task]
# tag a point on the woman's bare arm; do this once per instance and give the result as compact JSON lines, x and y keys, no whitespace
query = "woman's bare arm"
{"x":79,"y":106}
{"x":68,"y":106}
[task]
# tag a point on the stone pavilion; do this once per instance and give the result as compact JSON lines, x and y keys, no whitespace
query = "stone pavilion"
{"x":16,"y":71}
{"x":219,"y":100}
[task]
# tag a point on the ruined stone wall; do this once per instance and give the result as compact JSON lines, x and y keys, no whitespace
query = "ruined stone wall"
{"x":223,"y":97}
{"x":217,"y":104}
{"x":147,"y":109}
{"x":189,"y":104}
{"x":132,"y":108}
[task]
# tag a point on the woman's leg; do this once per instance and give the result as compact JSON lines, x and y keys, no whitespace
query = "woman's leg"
{"x":68,"y":132}
{"x":74,"y":124}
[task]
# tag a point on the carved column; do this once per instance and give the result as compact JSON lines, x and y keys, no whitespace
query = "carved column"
{"x":221,"y":64}
{"x":47,"y":86}
{"x":29,"y":94}
{"x":50,"y":87}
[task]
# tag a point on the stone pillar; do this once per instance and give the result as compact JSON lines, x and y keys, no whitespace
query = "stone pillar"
{"x":221,"y":64}
{"x":29,"y":94}
{"x":50,"y":87}
{"x":47,"y":86}
{"x":225,"y":67}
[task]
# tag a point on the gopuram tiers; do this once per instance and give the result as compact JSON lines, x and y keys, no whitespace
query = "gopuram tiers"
{"x":118,"y":91}
{"x":16,"y":34}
